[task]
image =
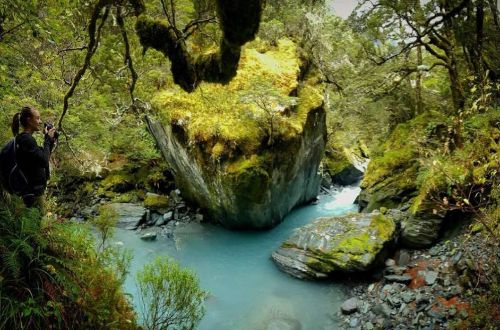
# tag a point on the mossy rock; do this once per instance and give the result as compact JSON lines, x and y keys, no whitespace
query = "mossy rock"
{"x":246,"y":162}
{"x":156,"y":202}
{"x":351,"y":243}
{"x":117,"y":182}
{"x":391,"y":177}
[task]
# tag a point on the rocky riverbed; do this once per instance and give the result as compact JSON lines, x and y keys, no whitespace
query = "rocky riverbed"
{"x":433,"y":288}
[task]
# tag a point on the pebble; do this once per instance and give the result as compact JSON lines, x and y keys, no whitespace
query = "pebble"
{"x":368,"y":326}
{"x":430,"y":277}
{"x":403,"y":258}
{"x":350,"y":306}
{"x":398,"y":278}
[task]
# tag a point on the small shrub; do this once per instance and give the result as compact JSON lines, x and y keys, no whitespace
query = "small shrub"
{"x":105,"y":224}
{"x":171,"y":296}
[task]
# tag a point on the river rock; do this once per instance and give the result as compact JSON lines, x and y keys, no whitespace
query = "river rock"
{"x":250,"y":193}
{"x":151,"y":236}
{"x":347,"y":176}
{"x":130,"y":215}
{"x":398,"y":278}
{"x":430,"y":277}
{"x":419,"y":232}
{"x":354,"y":242}
{"x":350,"y":306}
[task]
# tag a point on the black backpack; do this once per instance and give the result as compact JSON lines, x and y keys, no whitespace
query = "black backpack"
{"x":12,"y":177}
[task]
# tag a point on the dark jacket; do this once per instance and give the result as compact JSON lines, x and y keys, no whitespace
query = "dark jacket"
{"x":34,"y":161}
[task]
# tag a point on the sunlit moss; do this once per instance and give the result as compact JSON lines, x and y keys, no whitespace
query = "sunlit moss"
{"x":232,"y":115}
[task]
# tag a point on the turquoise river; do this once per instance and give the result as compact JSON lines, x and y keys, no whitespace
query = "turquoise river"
{"x":246,"y":290}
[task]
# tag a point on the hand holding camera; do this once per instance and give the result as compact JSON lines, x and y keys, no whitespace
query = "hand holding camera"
{"x":51,"y":131}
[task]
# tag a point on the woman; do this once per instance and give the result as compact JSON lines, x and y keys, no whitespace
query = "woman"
{"x":32,"y":159}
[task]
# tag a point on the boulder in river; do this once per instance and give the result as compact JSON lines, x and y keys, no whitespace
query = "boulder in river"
{"x":246,"y":165}
{"x":354,"y":242}
{"x":130,"y":215}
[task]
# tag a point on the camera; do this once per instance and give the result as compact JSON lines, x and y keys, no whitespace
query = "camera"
{"x":49,"y":126}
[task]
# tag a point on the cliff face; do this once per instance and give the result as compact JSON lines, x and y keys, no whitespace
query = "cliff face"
{"x":251,"y":152}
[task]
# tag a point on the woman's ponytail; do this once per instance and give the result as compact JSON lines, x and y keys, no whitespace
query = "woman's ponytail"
{"x":15,"y":123}
{"x":21,"y":118}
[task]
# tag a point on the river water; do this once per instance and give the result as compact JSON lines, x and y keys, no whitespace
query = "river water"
{"x":246,"y":290}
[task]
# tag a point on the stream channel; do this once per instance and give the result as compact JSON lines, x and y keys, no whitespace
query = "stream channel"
{"x":246,"y":290}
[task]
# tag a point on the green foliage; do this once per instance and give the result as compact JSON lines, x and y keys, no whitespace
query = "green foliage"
{"x":105,"y":223}
{"x":171,"y":297}
{"x":51,"y":275}
{"x":255,"y":108}
{"x":465,"y":177}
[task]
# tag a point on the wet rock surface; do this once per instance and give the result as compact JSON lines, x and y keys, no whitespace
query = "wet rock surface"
{"x":149,"y":223}
{"x":349,"y":243}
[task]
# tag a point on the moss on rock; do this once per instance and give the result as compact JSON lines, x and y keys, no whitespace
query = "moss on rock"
{"x":349,"y":243}
{"x":391,"y":177}
{"x":155,"y":201}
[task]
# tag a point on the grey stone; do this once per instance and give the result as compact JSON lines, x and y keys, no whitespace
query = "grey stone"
{"x":149,"y":236}
{"x":198,"y":217}
{"x":456,"y":258}
{"x":407,"y":296}
{"x":355,"y":242}
{"x":418,"y":232}
{"x":395,"y":270}
{"x":430,"y":277}
{"x":435,"y":250}
{"x":354,"y":322}
{"x":398,"y":278}
{"x":436,"y":314}
{"x":382,"y":322}
{"x":168,"y":216}
{"x":390,"y":262}
{"x":368,"y":326}
{"x":280,"y":185}
{"x":129,"y":214}
{"x":395,"y":301}
{"x":452,"y":291}
{"x":382,"y":309}
{"x":350,"y":306}
{"x":403,"y":258}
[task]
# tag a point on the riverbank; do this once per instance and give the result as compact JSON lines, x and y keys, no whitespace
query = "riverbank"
{"x":445,"y":286}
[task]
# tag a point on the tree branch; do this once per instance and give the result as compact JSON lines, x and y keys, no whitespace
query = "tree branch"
{"x":91,"y":48}
{"x":128,"y":58}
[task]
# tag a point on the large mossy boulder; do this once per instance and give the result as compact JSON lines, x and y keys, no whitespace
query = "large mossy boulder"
{"x":247,"y":152}
{"x":391,"y":177}
{"x":351,"y":243}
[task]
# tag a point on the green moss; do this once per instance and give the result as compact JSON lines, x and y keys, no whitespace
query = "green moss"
{"x":401,"y":150}
{"x":117,"y":182}
{"x":154,"y":201}
{"x":383,"y":226}
{"x":251,"y":184}
{"x":228,"y":118}
{"x":128,"y":197}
